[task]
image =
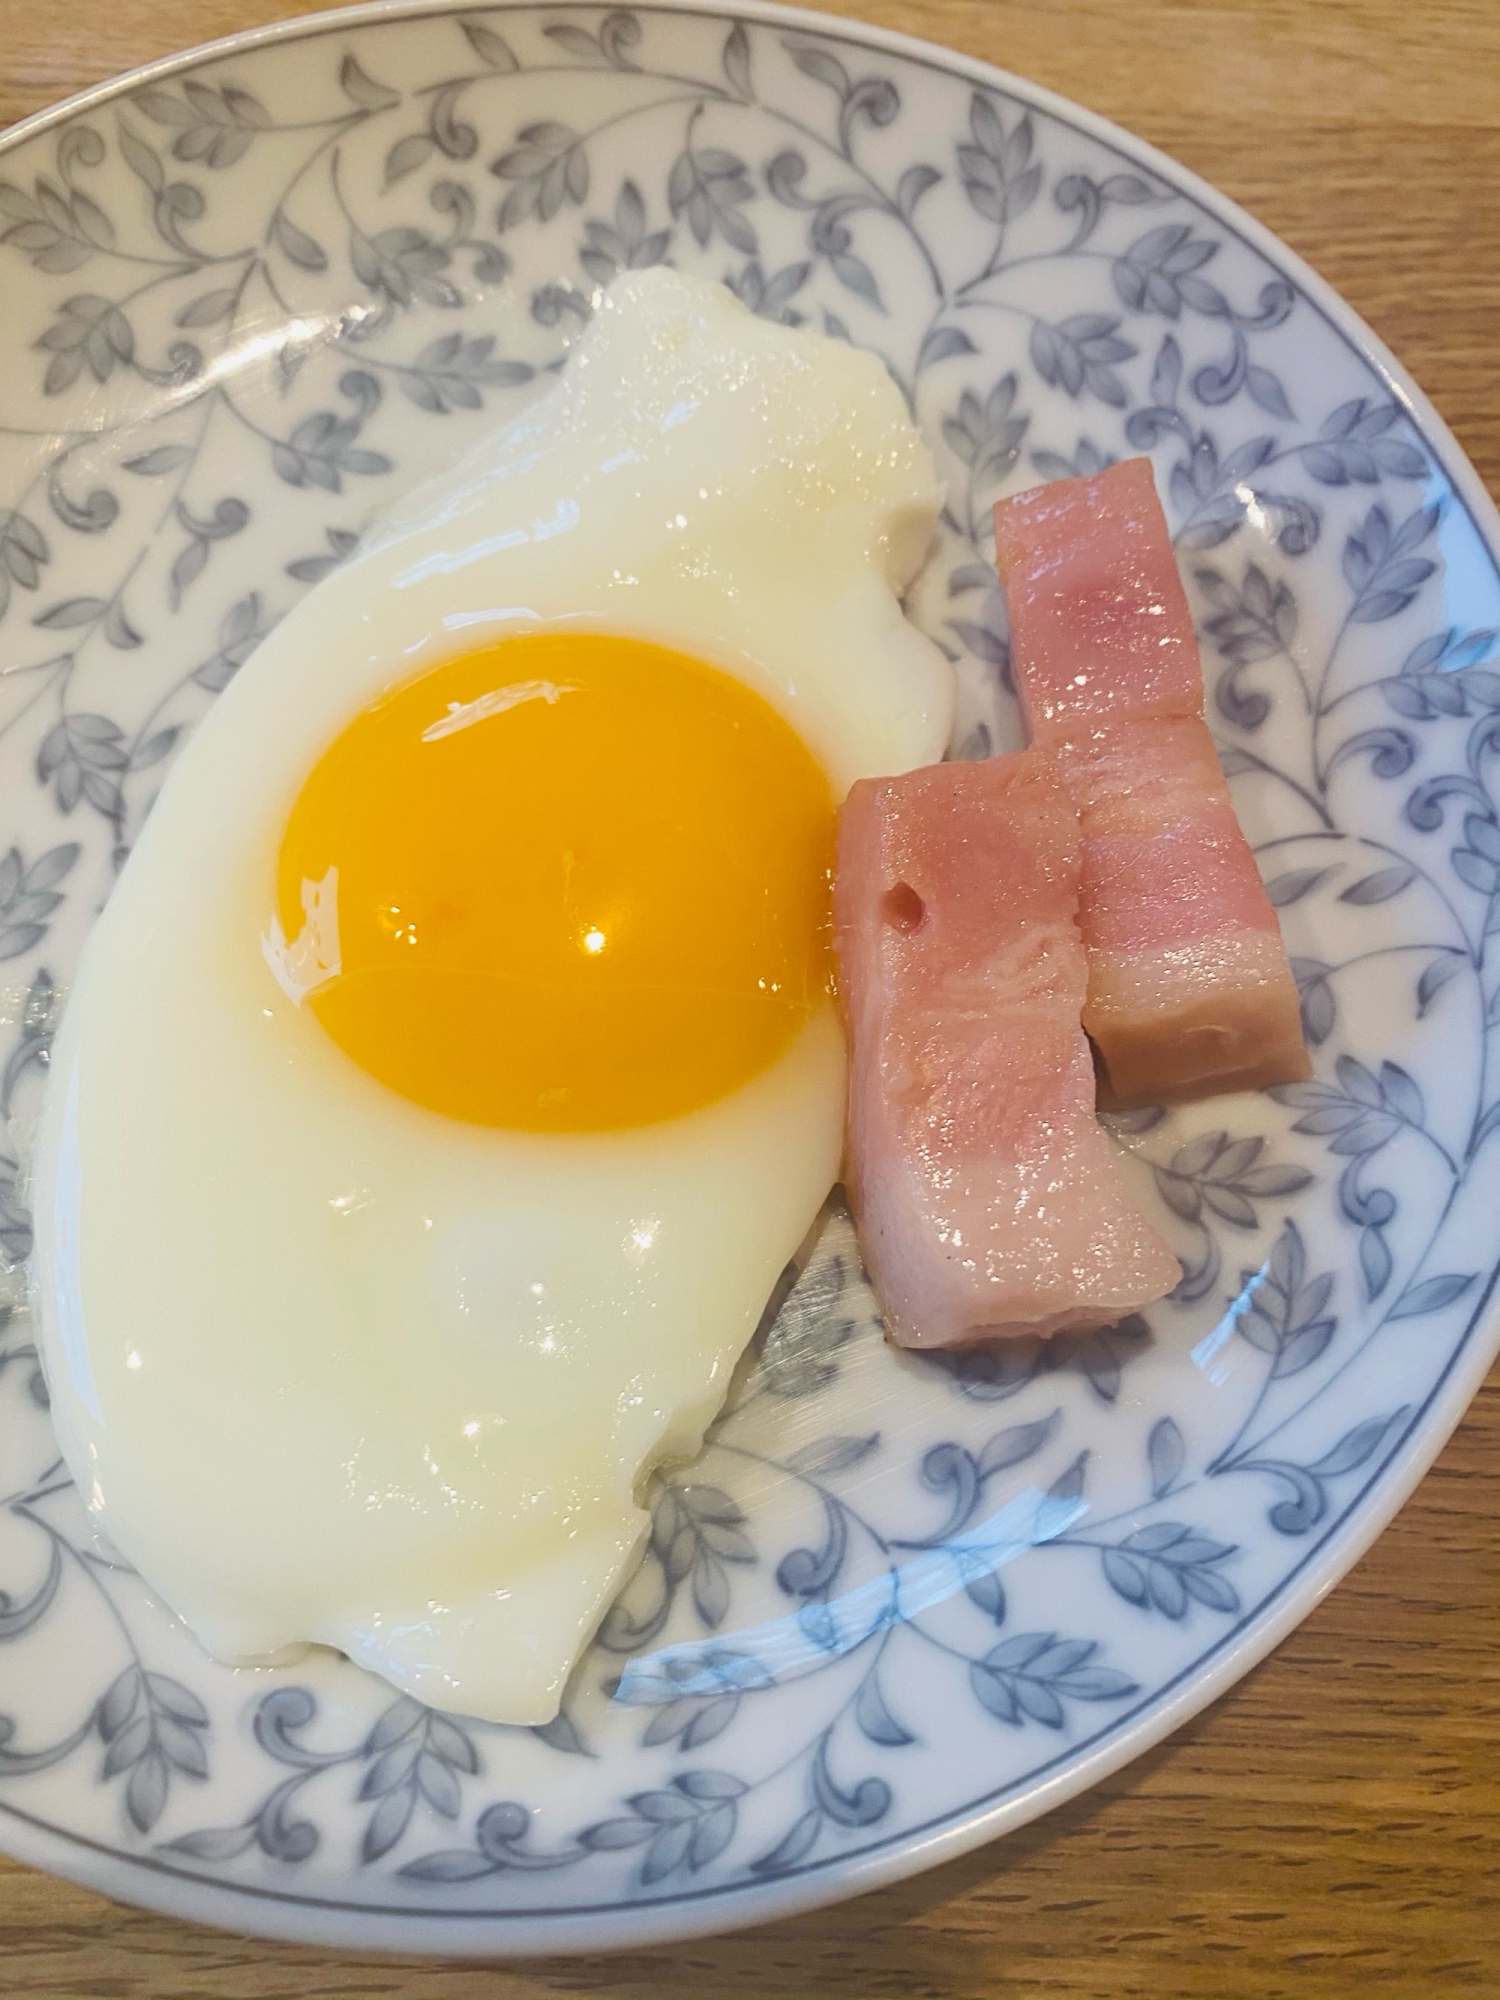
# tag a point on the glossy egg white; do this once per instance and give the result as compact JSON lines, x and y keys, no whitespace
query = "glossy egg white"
{"x":329,"y":1367}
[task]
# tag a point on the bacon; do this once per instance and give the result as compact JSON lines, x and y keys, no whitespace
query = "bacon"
{"x":1189,"y":990}
{"x":1099,"y":622}
{"x":988,"y":1201}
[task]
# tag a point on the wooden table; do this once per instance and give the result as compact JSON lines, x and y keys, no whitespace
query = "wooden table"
{"x":1330,"y":1827}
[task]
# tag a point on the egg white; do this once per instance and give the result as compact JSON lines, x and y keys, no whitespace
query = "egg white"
{"x":327,"y":1366}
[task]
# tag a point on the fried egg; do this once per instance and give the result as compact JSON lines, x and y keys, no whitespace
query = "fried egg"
{"x":454,"y":1069}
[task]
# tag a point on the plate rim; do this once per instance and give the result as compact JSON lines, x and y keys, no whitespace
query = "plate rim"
{"x":148,"y":1882}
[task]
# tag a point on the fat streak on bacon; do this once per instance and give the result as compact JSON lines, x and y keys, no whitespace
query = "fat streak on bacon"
{"x":987,"y":1198}
{"x":1189,"y":989}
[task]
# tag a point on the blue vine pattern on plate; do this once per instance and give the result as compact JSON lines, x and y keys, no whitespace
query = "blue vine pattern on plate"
{"x":429,"y":249}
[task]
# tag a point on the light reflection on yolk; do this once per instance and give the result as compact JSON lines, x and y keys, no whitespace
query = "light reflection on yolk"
{"x":582,"y":883}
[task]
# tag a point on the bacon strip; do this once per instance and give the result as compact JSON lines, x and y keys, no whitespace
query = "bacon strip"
{"x":1189,"y":989}
{"x":988,"y":1200}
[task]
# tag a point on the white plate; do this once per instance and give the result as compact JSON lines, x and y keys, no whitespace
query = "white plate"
{"x":898,"y":1606}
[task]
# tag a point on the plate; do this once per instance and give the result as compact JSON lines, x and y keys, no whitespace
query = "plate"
{"x":899,"y":1605}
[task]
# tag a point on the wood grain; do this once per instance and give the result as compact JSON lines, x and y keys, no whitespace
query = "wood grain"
{"x":1332,"y":1825}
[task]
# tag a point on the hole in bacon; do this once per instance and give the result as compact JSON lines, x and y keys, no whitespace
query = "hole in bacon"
{"x":903,"y":909}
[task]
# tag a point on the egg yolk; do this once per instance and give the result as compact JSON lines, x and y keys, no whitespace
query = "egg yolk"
{"x":571,"y":882}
